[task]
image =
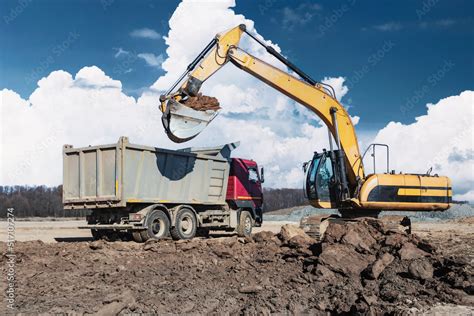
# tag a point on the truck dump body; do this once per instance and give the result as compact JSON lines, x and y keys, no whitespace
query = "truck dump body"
{"x":113,"y":175}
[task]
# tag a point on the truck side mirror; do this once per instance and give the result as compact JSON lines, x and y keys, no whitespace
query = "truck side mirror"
{"x":262,"y":175}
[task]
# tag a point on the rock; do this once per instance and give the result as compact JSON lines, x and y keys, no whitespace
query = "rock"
{"x":250,"y":289}
{"x":370,"y":299}
{"x":300,"y":242}
{"x":221,"y":251}
{"x":421,"y":269}
{"x":359,"y":236}
{"x":186,"y":245}
{"x":245,"y":240}
{"x":379,"y":265}
{"x":324,"y":274}
{"x":345,"y":259}
{"x":396,"y":240}
{"x":334,"y":230}
{"x":409,"y":251}
{"x":115,"y":303}
{"x":263,"y":236}
{"x":160,"y":247}
{"x":288,"y":231}
{"x":96,"y":245}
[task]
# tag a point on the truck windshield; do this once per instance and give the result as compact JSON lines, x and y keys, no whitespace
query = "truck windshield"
{"x":253,"y":175}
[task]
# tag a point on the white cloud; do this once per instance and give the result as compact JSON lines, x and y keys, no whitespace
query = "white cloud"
{"x":145,"y":33}
{"x":89,"y":108}
{"x":338,"y":85}
{"x":300,"y":15}
{"x":93,"y":78}
{"x":443,"y":23}
{"x":151,"y":59}
{"x":388,"y":27}
{"x":443,"y":138}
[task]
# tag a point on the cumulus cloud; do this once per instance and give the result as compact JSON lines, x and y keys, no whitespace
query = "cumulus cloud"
{"x":89,"y":108}
{"x":145,"y":33}
{"x":443,"y":138}
{"x":151,"y":59}
{"x":338,"y":85}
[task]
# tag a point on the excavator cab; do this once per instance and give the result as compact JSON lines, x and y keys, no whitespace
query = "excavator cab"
{"x":321,"y":185}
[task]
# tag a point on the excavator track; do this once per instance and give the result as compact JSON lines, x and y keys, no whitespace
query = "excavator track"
{"x":315,"y":225}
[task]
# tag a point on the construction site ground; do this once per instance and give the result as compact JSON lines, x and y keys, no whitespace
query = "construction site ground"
{"x":355,"y":269}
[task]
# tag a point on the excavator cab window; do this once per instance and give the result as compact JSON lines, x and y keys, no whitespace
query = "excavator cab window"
{"x":324,"y":179}
{"x":320,"y":178}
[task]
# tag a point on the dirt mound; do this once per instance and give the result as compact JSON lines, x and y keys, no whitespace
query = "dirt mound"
{"x":364,"y":267}
{"x":356,"y":268}
{"x":202,"y":103}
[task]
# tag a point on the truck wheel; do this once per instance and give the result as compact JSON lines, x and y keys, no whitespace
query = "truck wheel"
{"x":157,"y":224}
{"x":137,"y":236}
{"x":186,"y":225}
{"x":97,"y":234}
{"x":125,"y":236}
{"x":244,"y":228}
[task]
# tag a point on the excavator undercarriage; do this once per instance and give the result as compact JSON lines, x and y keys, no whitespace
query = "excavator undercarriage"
{"x":316,"y":225}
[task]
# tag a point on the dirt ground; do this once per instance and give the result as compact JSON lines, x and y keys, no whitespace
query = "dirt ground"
{"x":380,"y":272}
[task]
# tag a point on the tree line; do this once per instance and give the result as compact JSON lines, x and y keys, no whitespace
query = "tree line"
{"x":276,"y":199}
{"x":43,"y":201}
{"x":35,"y":201}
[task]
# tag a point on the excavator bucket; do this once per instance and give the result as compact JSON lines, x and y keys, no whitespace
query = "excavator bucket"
{"x":183,"y":123}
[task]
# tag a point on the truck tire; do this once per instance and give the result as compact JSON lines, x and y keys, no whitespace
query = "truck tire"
{"x":97,"y":234}
{"x":157,"y":224}
{"x":244,"y":229}
{"x":137,"y":236}
{"x":186,"y":225}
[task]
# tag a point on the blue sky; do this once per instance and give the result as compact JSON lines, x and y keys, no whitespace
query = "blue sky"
{"x":387,"y":50}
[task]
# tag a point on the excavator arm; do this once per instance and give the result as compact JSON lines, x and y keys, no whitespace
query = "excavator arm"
{"x":304,"y":90}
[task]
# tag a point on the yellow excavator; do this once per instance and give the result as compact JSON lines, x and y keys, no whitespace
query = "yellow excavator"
{"x":335,"y":178}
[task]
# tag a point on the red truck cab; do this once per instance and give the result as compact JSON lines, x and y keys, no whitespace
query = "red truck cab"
{"x":244,"y":189}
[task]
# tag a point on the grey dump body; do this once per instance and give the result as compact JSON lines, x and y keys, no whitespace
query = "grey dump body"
{"x":121,"y":174}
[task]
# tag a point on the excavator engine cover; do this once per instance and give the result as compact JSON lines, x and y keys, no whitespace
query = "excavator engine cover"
{"x":183,"y":123}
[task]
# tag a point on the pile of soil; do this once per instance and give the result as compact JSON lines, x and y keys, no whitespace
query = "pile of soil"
{"x":356,"y":268}
{"x":202,"y":103}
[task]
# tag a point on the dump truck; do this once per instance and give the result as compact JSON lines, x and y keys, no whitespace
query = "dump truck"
{"x":140,"y":192}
